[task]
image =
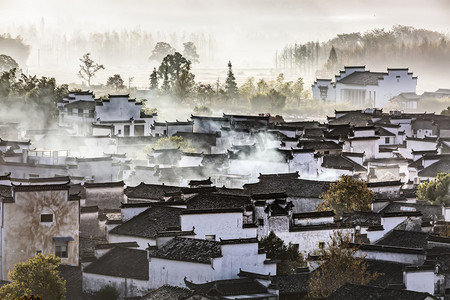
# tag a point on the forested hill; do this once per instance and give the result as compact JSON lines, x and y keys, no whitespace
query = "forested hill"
{"x":425,"y":52}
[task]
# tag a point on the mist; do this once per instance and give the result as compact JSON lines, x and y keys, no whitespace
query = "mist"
{"x":249,"y":33}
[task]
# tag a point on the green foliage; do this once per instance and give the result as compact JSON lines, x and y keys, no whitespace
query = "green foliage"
{"x":107,"y":293}
{"x":446,"y":111}
{"x":7,"y":63}
{"x":342,"y":265}
{"x":231,"y":88}
{"x":173,"y":142}
{"x":276,"y":249}
{"x":37,"y":276}
{"x":205,"y":93}
{"x":185,"y":83}
{"x":154,"y":80}
{"x":175,"y":72}
{"x":190,"y":52}
{"x":39,"y":95}
{"x":88,"y":68}
{"x":161,"y":50}
{"x":435,"y":191}
{"x":115,"y":82}
{"x":347,"y":195}
{"x":202,"y":111}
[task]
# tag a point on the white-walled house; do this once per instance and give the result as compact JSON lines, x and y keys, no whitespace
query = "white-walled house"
{"x":363,"y":88}
{"x":125,"y":115}
{"x":203,"y":261}
{"x":216,"y":224}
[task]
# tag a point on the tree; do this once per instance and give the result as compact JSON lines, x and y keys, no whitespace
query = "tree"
{"x":342,"y":265}
{"x":248,"y":88}
{"x":173,"y":142}
{"x":277,"y":99}
{"x":88,"y":68}
{"x":154,"y":80}
{"x":347,"y":195}
{"x":435,"y":191}
{"x":276,"y":249}
{"x":332,"y":62}
{"x":38,"y":276}
{"x":184,"y":83}
{"x":231,"y":88}
{"x":205,"y":92}
{"x":176,"y":75}
{"x":7,"y":63}
{"x":190,"y":52}
{"x":161,"y":50}
{"x":107,"y":292}
{"x":115,"y":82}
{"x":446,"y":111}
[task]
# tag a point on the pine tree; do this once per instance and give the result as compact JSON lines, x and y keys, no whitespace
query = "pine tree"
{"x":231,"y":88}
{"x":154,"y":80}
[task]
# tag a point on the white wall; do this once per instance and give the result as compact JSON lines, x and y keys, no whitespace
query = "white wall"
{"x":127,"y":287}
{"x":419,"y":281}
{"x":172,"y":272}
{"x":222,"y":225}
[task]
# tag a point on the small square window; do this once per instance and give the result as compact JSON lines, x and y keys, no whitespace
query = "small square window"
{"x":61,"y":249}
{"x":261,"y":222}
{"x":386,"y":140}
{"x":46,"y":218}
{"x":321,"y":245}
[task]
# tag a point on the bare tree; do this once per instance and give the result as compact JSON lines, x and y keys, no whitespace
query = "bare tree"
{"x":88,"y":68}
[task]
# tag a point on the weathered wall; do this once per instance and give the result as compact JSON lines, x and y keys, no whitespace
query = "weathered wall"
{"x":23,"y":233}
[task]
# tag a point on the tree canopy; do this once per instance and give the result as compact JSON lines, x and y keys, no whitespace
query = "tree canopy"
{"x":347,"y":195}
{"x":435,"y":191}
{"x":161,"y":50}
{"x":190,"y":52}
{"x":231,"y":88}
{"x":115,"y":82}
{"x":88,"y":68}
{"x":276,"y":249}
{"x":7,"y":63}
{"x":341,"y":265}
{"x":37,"y":276}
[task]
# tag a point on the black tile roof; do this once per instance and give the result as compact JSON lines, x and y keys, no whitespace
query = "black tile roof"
{"x":191,"y":250}
{"x":167,"y":292}
{"x":217,"y":200}
{"x":292,"y":187}
{"x":121,"y":262}
{"x":442,"y":166}
{"x":148,"y":223}
{"x":292,"y":284}
{"x":357,"y":292}
{"x":150,"y":191}
{"x":341,"y":162}
{"x":389,"y":272}
{"x":314,"y":214}
{"x":230,"y":287}
{"x":428,"y":210}
{"x":363,"y":218}
{"x":408,"y":239}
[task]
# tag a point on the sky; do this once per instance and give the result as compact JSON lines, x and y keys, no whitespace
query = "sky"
{"x":248,"y":32}
{"x":236,"y":23}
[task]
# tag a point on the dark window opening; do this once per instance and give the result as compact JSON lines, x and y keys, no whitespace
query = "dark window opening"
{"x":138,"y":130}
{"x":61,"y":249}
{"x":261,"y":222}
{"x":46,"y":218}
{"x":386,"y":140}
{"x":321,"y":245}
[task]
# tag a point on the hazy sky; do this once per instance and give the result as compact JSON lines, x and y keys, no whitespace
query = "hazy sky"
{"x":247,"y":31}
